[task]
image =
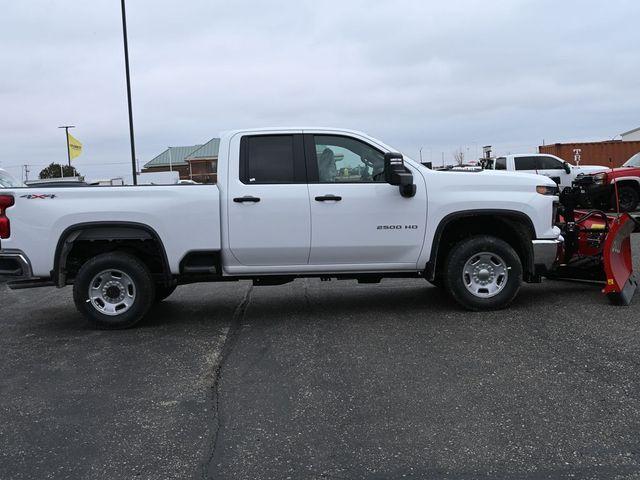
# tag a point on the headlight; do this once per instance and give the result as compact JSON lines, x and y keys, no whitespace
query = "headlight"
{"x":599,"y":178}
{"x":547,"y":190}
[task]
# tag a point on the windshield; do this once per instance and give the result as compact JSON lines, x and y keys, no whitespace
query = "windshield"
{"x":7,"y":181}
{"x":633,"y":161}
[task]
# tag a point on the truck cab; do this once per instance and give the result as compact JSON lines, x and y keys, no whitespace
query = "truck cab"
{"x":560,"y":171}
{"x":318,"y":201}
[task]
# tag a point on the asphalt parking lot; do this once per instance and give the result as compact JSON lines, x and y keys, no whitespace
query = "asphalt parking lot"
{"x":323,"y":380}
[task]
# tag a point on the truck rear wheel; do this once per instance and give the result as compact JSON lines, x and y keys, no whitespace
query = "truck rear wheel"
{"x":114,"y":290}
{"x":483,"y":273}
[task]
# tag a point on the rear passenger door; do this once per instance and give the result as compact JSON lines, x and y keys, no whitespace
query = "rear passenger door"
{"x":268,"y":202}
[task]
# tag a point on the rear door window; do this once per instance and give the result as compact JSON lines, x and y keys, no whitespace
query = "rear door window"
{"x":526,"y":163}
{"x":501,"y":163}
{"x":271,"y":159}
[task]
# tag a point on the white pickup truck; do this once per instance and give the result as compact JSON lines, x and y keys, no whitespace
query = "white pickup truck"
{"x":561,"y":172}
{"x":289,"y":203}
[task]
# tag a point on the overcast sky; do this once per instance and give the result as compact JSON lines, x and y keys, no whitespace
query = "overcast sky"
{"x":434,"y":74}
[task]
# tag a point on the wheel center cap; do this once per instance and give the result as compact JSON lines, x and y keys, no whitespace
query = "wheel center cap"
{"x":113,"y":292}
{"x":484,"y":274}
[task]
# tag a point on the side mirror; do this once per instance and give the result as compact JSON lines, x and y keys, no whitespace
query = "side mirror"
{"x":567,"y":167}
{"x":395,"y":173}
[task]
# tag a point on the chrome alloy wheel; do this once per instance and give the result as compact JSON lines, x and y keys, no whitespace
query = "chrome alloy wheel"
{"x":485,"y":274}
{"x":112,"y":292}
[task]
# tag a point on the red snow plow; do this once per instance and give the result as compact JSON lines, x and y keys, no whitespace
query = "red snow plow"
{"x":597,"y":247}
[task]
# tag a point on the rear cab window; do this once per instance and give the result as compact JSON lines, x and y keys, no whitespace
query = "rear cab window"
{"x":501,"y":163}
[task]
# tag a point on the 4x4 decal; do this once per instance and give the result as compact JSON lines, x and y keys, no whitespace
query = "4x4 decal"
{"x":40,"y":196}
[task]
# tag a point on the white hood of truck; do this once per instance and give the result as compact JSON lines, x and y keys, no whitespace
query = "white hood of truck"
{"x":589,"y":169}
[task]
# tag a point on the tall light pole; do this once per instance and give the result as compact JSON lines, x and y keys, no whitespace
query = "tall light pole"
{"x":66,"y":134}
{"x":126,"y":65}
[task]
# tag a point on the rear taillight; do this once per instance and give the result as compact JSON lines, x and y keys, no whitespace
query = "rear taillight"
{"x":6,"y":201}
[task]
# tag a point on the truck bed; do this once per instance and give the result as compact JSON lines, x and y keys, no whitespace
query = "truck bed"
{"x":40,"y":216}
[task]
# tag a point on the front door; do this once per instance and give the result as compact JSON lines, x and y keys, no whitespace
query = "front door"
{"x":268,"y":202}
{"x":359,"y":221}
{"x":554,"y":168}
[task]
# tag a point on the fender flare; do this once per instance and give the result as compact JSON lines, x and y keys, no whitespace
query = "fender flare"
{"x":430,"y":269}
{"x":106,"y":230}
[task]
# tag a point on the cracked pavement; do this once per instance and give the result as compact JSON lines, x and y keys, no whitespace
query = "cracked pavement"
{"x":323,"y":380}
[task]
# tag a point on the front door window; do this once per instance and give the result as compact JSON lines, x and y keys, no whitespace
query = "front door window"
{"x":347,"y":160}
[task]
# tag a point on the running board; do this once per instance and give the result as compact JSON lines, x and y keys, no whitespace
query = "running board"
{"x":30,"y":283}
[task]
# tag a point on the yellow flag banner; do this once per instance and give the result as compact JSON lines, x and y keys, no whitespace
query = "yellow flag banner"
{"x":75,"y":146}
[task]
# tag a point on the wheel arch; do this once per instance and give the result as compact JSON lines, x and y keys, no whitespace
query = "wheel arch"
{"x":108,"y":231}
{"x":634,"y":181}
{"x":516,"y":228}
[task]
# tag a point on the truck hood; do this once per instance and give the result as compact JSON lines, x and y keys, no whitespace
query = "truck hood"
{"x":493,"y":178}
{"x":589,"y":169}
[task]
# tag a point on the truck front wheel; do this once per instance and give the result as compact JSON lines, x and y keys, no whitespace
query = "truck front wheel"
{"x":483,"y":273}
{"x":114,"y":290}
{"x":628,"y":197}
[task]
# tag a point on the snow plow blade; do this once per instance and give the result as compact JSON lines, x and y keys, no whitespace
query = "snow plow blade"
{"x":621,"y":282}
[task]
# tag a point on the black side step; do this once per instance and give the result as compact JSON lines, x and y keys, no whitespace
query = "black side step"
{"x":201,"y":262}
{"x":30,"y":283}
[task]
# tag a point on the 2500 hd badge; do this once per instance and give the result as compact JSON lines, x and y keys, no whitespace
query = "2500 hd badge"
{"x":397,"y":227}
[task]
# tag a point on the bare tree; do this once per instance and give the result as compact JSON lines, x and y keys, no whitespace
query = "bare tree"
{"x":458,"y":155}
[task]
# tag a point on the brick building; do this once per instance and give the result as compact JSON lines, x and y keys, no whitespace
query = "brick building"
{"x":607,"y":153}
{"x":193,"y":162}
{"x":204,"y":162}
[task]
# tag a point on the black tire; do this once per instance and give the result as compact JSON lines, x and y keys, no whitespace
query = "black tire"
{"x":142,"y":287}
{"x":164,"y":291}
{"x":466,"y":250}
{"x":628,"y":196}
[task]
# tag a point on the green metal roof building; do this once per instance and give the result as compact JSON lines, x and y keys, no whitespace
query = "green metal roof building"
{"x":208,"y":150}
{"x":194,"y":162}
{"x":172,"y":156}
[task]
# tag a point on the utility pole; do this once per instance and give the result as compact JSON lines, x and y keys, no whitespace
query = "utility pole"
{"x":126,"y":65}
{"x":66,"y":134}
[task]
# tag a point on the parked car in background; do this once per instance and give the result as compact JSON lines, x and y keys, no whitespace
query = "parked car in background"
{"x":57,"y":182}
{"x":159,"y":178}
{"x":561,"y":172}
{"x":7,"y":181}
{"x":600,"y":189}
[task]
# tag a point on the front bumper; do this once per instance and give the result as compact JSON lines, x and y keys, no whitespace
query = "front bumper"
{"x":14,"y":264}
{"x":546,"y":254}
